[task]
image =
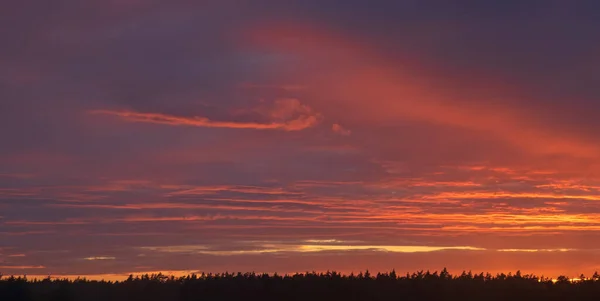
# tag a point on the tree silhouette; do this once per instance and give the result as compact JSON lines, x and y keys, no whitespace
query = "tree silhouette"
{"x":331,"y":285}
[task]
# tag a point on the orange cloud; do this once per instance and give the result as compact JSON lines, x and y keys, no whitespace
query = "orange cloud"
{"x":94,"y":258}
{"x":509,"y":195}
{"x":308,"y":246}
{"x":287,"y":115}
{"x":205,"y":190}
{"x":22,"y":267}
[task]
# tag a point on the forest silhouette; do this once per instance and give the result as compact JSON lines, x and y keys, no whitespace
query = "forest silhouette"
{"x":312,"y":286}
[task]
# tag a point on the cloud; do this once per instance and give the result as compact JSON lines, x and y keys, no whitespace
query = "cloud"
{"x":286,"y":115}
{"x":536,"y":250}
{"x":208,"y":190}
{"x":338,"y":129}
{"x":521,"y":124}
{"x":355,"y":79}
{"x":99,"y":258}
{"x":308,"y":246}
{"x":22,"y":267}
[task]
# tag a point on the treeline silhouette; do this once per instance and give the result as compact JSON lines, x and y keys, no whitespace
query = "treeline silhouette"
{"x":419,"y":286}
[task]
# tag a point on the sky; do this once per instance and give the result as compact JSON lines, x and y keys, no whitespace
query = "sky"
{"x":303,"y":135}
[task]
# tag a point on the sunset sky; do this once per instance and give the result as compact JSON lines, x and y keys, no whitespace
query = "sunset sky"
{"x":291,"y":136}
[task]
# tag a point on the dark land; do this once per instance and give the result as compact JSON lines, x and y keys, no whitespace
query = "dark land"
{"x":328,"y":286}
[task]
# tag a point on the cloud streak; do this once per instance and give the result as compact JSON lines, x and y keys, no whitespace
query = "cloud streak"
{"x":310,"y":246}
{"x":289,"y":115}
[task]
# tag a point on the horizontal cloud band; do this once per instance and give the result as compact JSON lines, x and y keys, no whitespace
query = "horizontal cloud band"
{"x":301,"y":123}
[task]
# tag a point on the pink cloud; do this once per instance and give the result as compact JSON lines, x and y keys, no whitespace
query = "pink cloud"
{"x":355,"y":81}
{"x":286,"y":115}
{"x":338,"y":129}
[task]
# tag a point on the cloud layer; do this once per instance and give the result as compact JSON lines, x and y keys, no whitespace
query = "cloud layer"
{"x":182,"y":136}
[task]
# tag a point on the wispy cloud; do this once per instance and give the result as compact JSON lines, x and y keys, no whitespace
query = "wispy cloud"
{"x":308,"y":246}
{"x":338,"y":129}
{"x":286,"y":115}
{"x":95,"y":258}
{"x":22,"y":267}
{"x":535,"y":250}
{"x":207,"y":190}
